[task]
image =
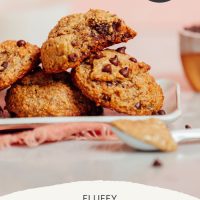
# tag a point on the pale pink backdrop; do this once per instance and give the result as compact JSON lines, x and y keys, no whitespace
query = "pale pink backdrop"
{"x":157,"y":26}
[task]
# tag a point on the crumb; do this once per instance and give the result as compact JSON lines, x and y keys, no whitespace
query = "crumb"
{"x":157,"y":163}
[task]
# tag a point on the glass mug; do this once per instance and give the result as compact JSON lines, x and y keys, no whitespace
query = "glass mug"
{"x":190,"y":54}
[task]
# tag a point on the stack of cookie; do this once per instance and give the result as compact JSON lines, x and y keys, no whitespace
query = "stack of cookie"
{"x":78,"y":76}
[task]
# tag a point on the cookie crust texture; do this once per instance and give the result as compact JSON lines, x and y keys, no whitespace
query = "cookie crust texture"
{"x":42,"y":95}
{"x":76,"y":36}
{"x":17,"y":58}
{"x":117,"y":81}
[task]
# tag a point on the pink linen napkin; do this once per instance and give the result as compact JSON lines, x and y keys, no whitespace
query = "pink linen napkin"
{"x":58,"y":132}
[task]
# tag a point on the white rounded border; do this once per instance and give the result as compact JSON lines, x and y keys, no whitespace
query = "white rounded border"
{"x":75,"y":191}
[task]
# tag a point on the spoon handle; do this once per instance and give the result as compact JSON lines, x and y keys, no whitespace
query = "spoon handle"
{"x":186,"y":135}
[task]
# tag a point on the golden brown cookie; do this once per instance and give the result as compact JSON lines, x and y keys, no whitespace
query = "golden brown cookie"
{"x":16,"y":59}
{"x":40,"y":95}
{"x":75,"y":37}
{"x":116,"y":80}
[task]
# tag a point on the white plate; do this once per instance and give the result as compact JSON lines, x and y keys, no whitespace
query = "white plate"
{"x":172,"y":107}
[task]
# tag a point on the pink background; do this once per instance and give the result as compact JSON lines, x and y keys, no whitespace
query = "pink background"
{"x":157,"y":26}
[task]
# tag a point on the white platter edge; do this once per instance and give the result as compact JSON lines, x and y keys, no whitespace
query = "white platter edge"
{"x":168,"y":118}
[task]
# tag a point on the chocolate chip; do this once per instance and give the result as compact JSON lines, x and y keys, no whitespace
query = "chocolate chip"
{"x":72,"y":57}
{"x":161,"y":112}
{"x":98,"y":55}
{"x":116,"y":25}
{"x":133,"y":59}
{"x":187,"y":126}
{"x":121,"y":50}
{"x":157,"y":163}
{"x":138,"y":105}
{"x":107,"y":68}
{"x":21,"y":43}
{"x":106,"y":97}
{"x":102,"y":28}
{"x":114,"y":60}
{"x":124,"y":72}
{"x":3,"y":66}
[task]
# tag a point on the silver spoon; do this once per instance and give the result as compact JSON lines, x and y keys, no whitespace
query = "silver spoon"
{"x":185,"y":135}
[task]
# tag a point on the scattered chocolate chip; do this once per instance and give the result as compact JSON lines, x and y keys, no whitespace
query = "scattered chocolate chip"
{"x":107,"y":68}
{"x":121,"y":50}
{"x":187,"y":126}
{"x":133,"y":59}
{"x":106,"y":97}
{"x":138,"y":105}
{"x":124,"y":71}
{"x":109,"y":84}
{"x":3,"y":66}
{"x":161,"y":112}
{"x":102,"y":28}
{"x":72,"y":57}
{"x":114,"y":60}
{"x":157,"y":163}
{"x":21,"y":43}
{"x":116,"y":25}
{"x":98,"y":55}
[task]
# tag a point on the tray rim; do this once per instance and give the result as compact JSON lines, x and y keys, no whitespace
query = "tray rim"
{"x":50,"y":120}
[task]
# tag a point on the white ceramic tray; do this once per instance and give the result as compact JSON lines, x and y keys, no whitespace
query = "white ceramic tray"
{"x":172,"y":107}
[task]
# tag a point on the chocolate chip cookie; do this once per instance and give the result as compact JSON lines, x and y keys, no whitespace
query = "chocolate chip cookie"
{"x":118,"y":81}
{"x":16,"y":59}
{"x":40,"y":95}
{"x":75,"y":37}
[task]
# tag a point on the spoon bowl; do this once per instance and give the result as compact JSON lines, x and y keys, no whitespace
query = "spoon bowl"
{"x":186,"y":135}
